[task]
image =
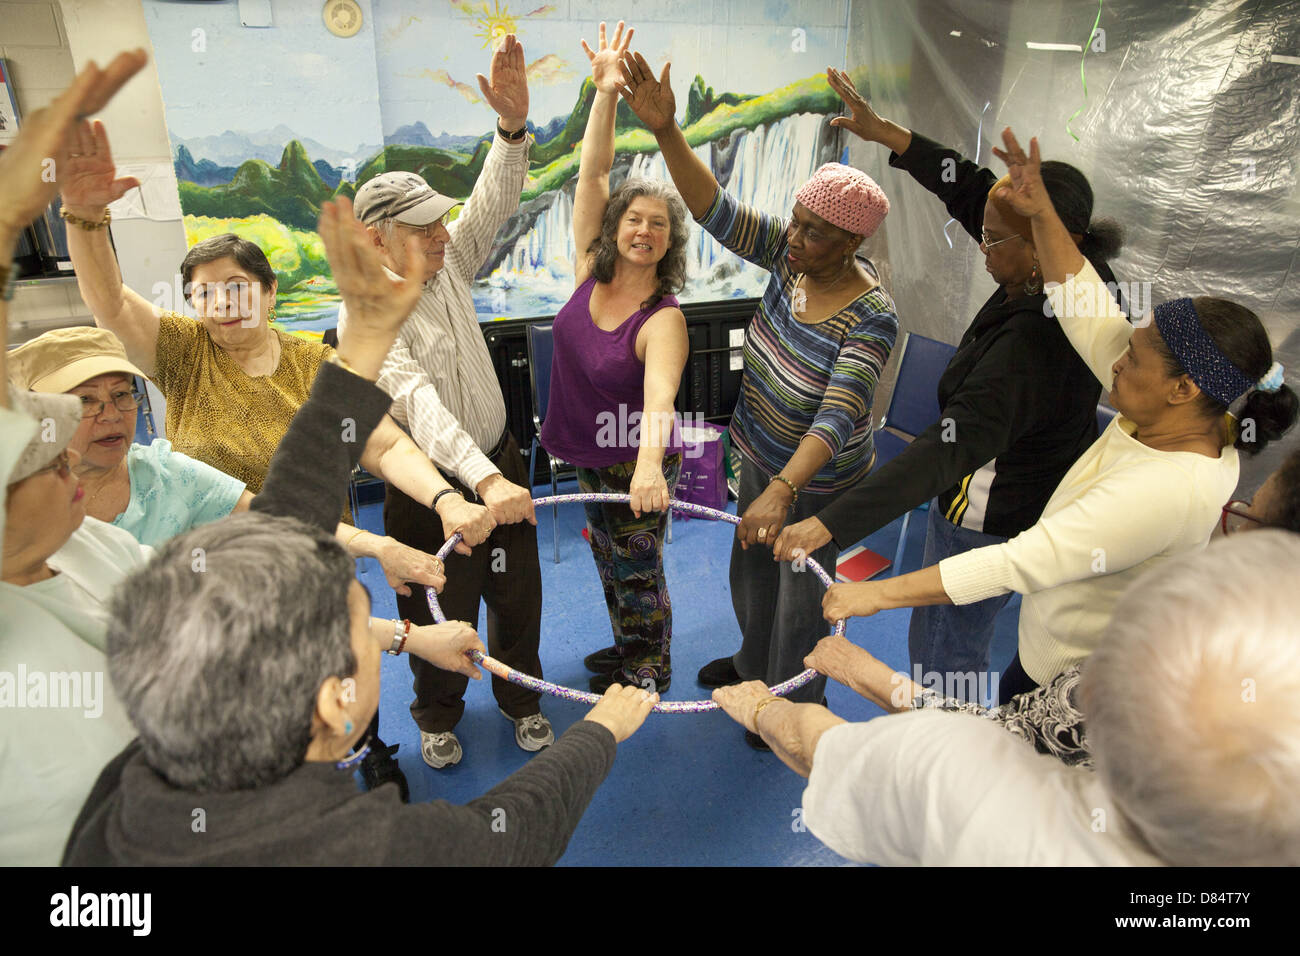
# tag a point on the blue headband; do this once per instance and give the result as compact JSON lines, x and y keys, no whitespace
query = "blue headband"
{"x":1196,"y":352}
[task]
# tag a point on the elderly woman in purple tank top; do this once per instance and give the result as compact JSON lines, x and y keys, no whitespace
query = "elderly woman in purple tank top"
{"x":620,"y":347}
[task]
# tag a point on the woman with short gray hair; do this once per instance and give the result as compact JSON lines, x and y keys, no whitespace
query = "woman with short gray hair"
{"x":249,"y":664}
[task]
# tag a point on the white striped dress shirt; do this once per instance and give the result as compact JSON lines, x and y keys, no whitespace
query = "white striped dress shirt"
{"x":439,"y":372}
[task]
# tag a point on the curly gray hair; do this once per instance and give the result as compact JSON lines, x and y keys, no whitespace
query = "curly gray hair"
{"x":604,"y":248}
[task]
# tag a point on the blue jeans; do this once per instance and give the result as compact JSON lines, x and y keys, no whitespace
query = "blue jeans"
{"x":945,"y":639}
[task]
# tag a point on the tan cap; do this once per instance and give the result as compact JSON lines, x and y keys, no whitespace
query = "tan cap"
{"x":64,"y":358}
{"x":403,"y":196}
{"x":57,"y":418}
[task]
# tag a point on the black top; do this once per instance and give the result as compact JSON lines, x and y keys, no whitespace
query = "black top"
{"x":316,"y":815}
{"x":1022,"y":403}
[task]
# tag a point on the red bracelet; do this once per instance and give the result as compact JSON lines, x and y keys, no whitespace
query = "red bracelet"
{"x":401,"y":647}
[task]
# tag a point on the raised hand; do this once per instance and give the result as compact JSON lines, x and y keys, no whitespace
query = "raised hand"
{"x":605,"y":72}
{"x":1027,"y":194}
{"x":89,"y":181}
{"x":32,"y":169}
{"x":505,"y":88}
{"x":377,"y":304}
{"x":651,"y":100}
{"x":864,"y":121}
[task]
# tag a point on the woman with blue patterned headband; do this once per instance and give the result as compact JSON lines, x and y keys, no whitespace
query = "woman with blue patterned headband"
{"x":1150,"y":488}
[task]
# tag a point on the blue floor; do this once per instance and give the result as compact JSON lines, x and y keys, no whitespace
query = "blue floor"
{"x":686,"y":789}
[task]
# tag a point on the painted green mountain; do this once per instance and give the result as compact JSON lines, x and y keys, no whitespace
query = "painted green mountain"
{"x":293,"y":191}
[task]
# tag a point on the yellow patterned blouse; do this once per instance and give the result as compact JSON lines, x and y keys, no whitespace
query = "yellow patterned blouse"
{"x":218,"y":413}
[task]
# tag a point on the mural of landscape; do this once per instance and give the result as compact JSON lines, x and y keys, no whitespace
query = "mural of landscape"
{"x":308,"y":116}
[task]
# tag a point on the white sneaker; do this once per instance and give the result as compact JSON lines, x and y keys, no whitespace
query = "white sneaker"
{"x":440,"y":750}
{"x":533,"y":732}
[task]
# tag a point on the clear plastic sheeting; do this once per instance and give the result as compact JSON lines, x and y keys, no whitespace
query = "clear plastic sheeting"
{"x":1189,"y":134}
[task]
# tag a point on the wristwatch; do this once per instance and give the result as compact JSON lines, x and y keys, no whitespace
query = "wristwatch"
{"x":515,"y":137}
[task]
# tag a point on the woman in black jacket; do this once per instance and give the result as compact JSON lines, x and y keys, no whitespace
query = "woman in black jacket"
{"x":1019,"y":405}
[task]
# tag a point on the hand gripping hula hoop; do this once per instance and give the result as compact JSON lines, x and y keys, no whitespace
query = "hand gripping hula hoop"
{"x":585,"y":697}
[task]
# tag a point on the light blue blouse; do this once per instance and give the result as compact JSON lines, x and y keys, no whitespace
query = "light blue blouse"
{"x":172,"y":493}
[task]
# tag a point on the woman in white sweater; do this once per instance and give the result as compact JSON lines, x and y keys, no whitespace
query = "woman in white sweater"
{"x":1152,"y":485}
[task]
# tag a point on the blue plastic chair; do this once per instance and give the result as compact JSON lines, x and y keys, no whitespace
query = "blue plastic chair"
{"x":1105,"y":415}
{"x":541,"y":348}
{"x":913,"y":407}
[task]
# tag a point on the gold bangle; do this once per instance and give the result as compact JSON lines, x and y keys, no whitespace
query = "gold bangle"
{"x":348,"y":544}
{"x":86,"y":223}
{"x":763,"y":703}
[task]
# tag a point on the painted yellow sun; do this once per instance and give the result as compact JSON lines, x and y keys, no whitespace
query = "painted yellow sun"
{"x":492,"y":24}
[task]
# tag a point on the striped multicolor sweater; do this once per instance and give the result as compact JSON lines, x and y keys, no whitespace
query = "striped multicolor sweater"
{"x":802,"y":379}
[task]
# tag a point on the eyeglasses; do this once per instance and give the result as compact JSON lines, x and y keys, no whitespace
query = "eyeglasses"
{"x":989,"y":244}
{"x":427,"y":229}
{"x":125,"y":402}
{"x":1236,"y":516}
{"x":61,"y":465}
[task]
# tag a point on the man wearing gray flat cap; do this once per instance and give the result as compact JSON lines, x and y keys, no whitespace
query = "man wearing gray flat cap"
{"x":446,"y":394}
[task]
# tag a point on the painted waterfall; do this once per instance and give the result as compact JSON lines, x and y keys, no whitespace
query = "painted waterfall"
{"x":304,"y":116}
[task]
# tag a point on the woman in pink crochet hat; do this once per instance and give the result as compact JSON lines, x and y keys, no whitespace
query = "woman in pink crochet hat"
{"x":813,"y":354}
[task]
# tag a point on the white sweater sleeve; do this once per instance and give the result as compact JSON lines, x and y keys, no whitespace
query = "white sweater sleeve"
{"x":1091,"y":320}
{"x":1112,"y":526}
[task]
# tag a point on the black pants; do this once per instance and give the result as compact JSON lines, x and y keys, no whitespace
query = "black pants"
{"x":504,"y":572}
{"x":1014,"y":681}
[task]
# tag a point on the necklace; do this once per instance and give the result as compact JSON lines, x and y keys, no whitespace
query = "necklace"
{"x":844,"y":273}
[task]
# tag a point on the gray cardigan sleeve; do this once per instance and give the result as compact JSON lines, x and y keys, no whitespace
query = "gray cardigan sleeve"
{"x":308,"y":476}
{"x":526,"y":820}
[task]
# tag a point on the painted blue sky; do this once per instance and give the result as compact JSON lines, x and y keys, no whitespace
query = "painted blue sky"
{"x":416,"y":61}
{"x":248,"y":79}
{"x":428,"y":54}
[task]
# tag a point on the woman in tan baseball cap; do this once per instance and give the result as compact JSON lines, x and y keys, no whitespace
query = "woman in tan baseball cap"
{"x":152,"y":491}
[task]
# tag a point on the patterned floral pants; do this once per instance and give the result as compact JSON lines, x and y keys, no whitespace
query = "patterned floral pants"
{"x":629,"y":557}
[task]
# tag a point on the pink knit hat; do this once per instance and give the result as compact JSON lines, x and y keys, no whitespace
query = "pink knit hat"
{"x":845,"y":197}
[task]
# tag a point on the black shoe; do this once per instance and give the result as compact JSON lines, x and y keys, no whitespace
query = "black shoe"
{"x":600,"y":683}
{"x":603,"y":661}
{"x":719,"y":673}
{"x":757,"y":742}
{"x":379,"y":768}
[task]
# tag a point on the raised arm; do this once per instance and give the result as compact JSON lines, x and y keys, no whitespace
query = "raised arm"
{"x":1084,"y":306}
{"x":495,"y":197}
{"x":308,"y":474}
{"x":597,"y":158}
{"x":47,"y":137}
{"x":654,"y":105}
{"x":90,"y":186}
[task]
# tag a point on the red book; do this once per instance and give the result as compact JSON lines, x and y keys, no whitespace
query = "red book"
{"x":859,"y":564}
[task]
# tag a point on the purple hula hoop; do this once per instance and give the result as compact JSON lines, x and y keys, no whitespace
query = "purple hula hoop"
{"x":585,"y":697}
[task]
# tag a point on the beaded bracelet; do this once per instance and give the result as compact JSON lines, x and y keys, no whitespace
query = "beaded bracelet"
{"x":789,"y":484}
{"x":86,"y":223}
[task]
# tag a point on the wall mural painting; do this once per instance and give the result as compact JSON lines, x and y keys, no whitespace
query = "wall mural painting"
{"x":266,"y":124}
